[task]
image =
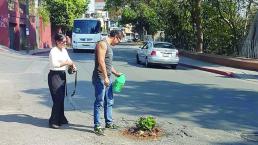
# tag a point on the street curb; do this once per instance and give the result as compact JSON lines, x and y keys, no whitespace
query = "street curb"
{"x":40,"y":52}
{"x":224,"y":73}
{"x":235,"y":62}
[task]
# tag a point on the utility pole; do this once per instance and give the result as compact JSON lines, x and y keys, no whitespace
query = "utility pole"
{"x":37,"y":3}
{"x":27,"y":26}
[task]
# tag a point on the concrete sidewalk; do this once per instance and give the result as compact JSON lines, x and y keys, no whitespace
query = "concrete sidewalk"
{"x":219,"y":69}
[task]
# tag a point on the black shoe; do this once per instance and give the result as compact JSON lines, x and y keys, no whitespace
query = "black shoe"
{"x":54,"y":126}
{"x":111,"y":126}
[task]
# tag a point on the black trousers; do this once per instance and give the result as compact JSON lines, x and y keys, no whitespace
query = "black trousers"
{"x":57,"y":86}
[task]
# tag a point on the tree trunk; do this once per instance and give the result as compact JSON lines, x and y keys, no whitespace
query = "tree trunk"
{"x":198,"y":22}
{"x":248,"y":9}
{"x":250,"y":47}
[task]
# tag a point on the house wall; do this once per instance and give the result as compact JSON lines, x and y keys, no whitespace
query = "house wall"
{"x":13,"y":27}
{"x":4,"y":23}
{"x":45,"y":35}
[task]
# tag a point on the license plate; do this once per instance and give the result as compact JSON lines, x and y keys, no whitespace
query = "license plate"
{"x":165,"y":55}
{"x":85,"y":45}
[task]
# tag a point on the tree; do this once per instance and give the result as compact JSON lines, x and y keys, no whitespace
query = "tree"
{"x":198,"y":22}
{"x":44,"y":13}
{"x":209,"y":26}
{"x":142,"y":14}
{"x":63,"y":12}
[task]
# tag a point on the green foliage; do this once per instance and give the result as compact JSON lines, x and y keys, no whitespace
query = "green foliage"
{"x":128,"y":15}
{"x":223,"y":30}
{"x":224,"y":25}
{"x":44,"y":14}
{"x":146,"y":123}
{"x":150,"y":17}
{"x":63,"y":12}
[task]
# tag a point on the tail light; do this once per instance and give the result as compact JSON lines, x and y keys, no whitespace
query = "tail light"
{"x":177,"y":54}
{"x":153,"y":53}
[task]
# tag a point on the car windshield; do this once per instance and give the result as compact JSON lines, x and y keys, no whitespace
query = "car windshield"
{"x":87,"y":26}
{"x":164,"y":45}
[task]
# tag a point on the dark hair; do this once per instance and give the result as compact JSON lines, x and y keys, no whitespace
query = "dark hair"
{"x":59,"y":37}
{"x":118,"y":33}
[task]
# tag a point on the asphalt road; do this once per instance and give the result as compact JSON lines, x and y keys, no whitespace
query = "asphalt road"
{"x":192,"y":106}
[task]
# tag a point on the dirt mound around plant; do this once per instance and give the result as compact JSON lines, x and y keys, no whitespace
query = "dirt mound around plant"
{"x":136,"y":133}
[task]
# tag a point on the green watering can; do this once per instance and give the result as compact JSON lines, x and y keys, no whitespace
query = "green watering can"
{"x":119,"y":83}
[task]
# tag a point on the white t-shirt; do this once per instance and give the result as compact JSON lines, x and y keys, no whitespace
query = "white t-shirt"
{"x":56,"y":57}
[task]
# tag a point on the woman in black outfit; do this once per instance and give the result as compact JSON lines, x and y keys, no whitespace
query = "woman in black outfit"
{"x":59,"y":60}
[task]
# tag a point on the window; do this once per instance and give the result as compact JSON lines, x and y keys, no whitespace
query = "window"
{"x":11,"y":4}
{"x":87,"y":26}
{"x":145,"y":46}
{"x":164,"y":45}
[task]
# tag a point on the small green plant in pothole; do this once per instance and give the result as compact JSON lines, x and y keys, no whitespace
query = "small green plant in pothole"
{"x":145,"y":128}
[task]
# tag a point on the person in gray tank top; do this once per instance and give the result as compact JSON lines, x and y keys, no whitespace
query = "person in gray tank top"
{"x":101,"y":80}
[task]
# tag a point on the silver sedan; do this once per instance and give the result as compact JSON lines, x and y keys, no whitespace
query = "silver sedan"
{"x":162,"y":53}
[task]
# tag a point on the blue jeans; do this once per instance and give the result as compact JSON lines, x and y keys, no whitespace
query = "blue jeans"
{"x":103,"y":96}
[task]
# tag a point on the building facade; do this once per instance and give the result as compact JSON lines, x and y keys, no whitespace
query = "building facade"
{"x":13,"y":29}
{"x":102,"y":14}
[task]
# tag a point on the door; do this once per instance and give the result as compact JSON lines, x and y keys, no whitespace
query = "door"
{"x":147,"y":50}
{"x":23,"y":37}
{"x":12,"y":35}
{"x":142,"y":52}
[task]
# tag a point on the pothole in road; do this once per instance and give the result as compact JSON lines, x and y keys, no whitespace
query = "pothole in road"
{"x":135,"y":133}
{"x":147,"y":128}
{"x":157,"y":133}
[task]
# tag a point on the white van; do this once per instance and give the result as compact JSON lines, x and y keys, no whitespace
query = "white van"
{"x":86,"y":32}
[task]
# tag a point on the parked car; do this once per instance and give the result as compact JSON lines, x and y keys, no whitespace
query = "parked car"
{"x":160,"y":53}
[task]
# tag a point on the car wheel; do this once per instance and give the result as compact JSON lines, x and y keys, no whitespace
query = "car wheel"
{"x":147,"y":64}
{"x":173,"y":66}
{"x":137,"y":59}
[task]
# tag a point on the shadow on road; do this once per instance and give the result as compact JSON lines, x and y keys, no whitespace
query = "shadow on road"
{"x":247,"y":76}
{"x":203,"y":104}
{"x":78,"y":127}
{"x":24,"y":119}
{"x":39,"y":122}
{"x":206,"y":105}
{"x":83,"y":96}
